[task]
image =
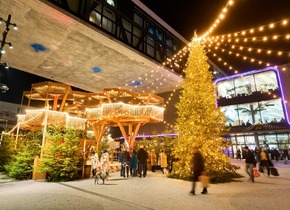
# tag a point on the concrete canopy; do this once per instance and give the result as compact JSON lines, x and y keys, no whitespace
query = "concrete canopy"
{"x":54,"y":44}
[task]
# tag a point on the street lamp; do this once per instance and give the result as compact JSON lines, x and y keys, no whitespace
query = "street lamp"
{"x":4,"y":35}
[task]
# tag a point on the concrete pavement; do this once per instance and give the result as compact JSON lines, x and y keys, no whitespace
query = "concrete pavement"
{"x":156,"y":191}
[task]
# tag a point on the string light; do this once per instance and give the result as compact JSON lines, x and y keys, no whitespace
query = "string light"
{"x":260,"y":28}
{"x":221,"y":16}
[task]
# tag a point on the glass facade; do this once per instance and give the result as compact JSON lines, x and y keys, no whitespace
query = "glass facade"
{"x":263,"y":82}
{"x":142,"y":32}
{"x":253,"y":113}
{"x":254,"y":110}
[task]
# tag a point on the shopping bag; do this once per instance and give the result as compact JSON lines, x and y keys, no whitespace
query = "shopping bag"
{"x":205,"y":180}
{"x":274,"y":171}
{"x":256,"y":172}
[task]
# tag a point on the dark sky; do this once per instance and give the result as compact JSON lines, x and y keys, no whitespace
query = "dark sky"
{"x":185,"y":16}
{"x":188,"y":15}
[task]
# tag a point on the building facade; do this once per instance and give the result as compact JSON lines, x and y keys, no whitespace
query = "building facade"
{"x":133,"y":23}
{"x":8,"y":115}
{"x":256,"y":108}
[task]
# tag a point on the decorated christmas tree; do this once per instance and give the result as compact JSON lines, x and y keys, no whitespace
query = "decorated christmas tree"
{"x":200,"y":123}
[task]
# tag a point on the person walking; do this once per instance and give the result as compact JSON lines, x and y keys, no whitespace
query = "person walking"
{"x":153,"y":160}
{"x":124,"y":159}
{"x":142,"y":157}
{"x":133,"y":163}
{"x":285,"y":155}
{"x":264,"y":161}
{"x":250,"y":163}
{"x":239,"y":155}
{"x":105,"y":163}
{"x":163,"y":161}
{"x":94,"y":163}
{"x":197,"y":164}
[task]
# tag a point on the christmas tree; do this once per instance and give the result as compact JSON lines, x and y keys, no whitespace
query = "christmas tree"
{"x":200,"y":123}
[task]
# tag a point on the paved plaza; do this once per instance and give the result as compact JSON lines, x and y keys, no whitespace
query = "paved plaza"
{"x":155,"y":191}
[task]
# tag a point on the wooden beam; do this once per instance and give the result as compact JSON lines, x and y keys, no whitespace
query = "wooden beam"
{"x":124,"y":133}
{"x":133,"y":138}
{"x":130,"y":133}
{"x":99,"y":131}
{"x":64,"y":99}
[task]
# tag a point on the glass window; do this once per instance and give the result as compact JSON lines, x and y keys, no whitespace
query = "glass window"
{"x":150,"y":50}
{"x":250,"y":140}
{"x":159,"y":35}
{"x":245,"y":113}
{"x":111,"y":2}
{"x":168,"y":53}
{"x":233,"y":139}
{"x":282,"y":138}
{"x":137,"y":32}
{"x":240,"y":140}
{"x":129,"y":36}
{"x":262,"y":140}
{"x":168,"y":42}
{"x":136,"y":41}
{"x":95,"y":18}
{"x":265,"y":81}
{"x":108,"y":25}
{"x":244,"y":85}
{"x":150,"y":30}
{"x":127,"y":25}
{"x":272,"y":111}
{"x":226,"y":89}
{"x":231,"y":115}
{"x":138,"y":20}
{"x":150,"y":40}
{"x":270,"y":139}
{"x":109,"y":14}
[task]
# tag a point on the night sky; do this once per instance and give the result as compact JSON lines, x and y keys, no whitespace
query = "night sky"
{"x":185,"y":17}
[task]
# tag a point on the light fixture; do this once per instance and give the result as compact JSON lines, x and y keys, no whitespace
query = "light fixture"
{"x":6,"y":66}
{"x":4,"y":35}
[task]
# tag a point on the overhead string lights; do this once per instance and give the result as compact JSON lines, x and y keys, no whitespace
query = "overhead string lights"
{"x":176,"y":63}
{"x":218,"y":20}
{"x":251,"y":45}
{"x":260,"y":29}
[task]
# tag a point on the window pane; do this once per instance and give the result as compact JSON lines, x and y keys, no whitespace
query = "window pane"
{"x":127,"y":25}
{"x":226,"y":89}
{"x":231,"y":115}
{"x":138,"y":20}
{"x":266,"y":81}
{"x":150,"y":50}
{"x":137,"y":32}
{"x":95,"y":18}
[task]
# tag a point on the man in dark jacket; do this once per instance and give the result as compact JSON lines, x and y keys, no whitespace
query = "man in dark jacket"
{"x":250,"y":163}
{"x":142,"y":157}
{"x":197,"y":169}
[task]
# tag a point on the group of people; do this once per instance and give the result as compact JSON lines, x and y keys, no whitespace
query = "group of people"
{"x":138,"y":162}
{"x":260,"y":156}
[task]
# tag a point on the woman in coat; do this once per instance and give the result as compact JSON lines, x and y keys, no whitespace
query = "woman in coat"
{"x":133,"y":163}
{"x":163,"y":161}
{"x":265,"y":161}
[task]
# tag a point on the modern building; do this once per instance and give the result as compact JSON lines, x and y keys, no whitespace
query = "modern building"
{"x":8,"y":115}
{"x":256,"y":108}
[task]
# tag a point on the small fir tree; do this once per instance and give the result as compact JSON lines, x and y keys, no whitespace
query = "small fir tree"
{"x":61,"y":158}
{"x":21,"y":166}
{"x":7,"y":150}
{"x":199,"y":122}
